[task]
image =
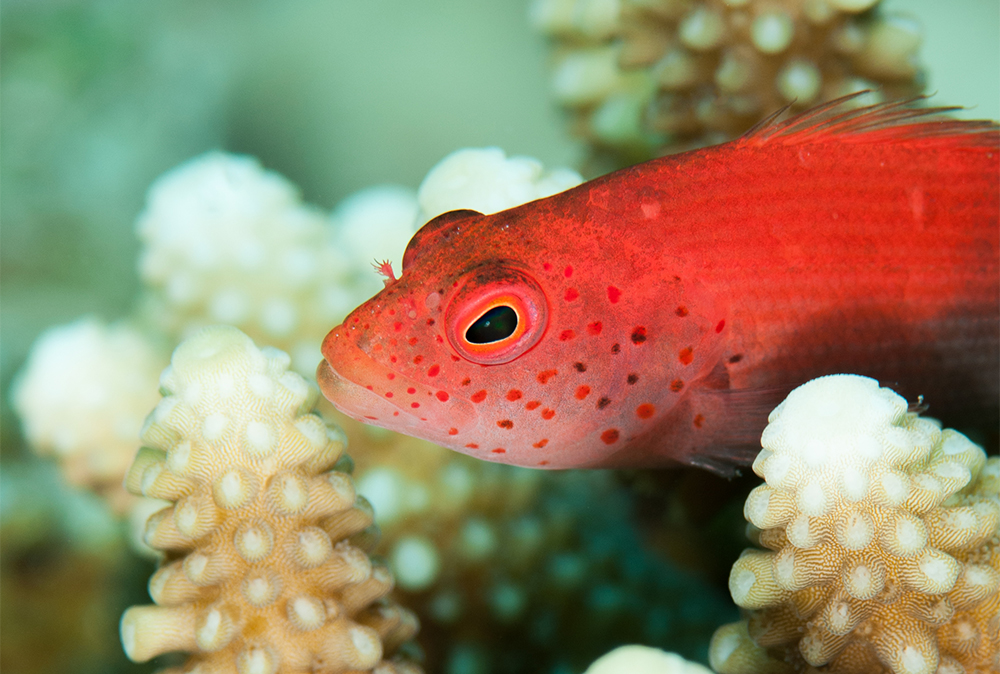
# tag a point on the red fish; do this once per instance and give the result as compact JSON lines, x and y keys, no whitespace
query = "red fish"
{"x":657,"y":314}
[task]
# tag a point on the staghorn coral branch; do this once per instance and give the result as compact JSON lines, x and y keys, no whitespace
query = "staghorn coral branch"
{"x":263,"y":575}
{"x":883,"y":537}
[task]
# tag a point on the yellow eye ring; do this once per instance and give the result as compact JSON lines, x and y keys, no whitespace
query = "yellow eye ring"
{"x":478,"y":327}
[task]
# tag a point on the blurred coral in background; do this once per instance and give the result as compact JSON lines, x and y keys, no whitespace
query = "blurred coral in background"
{"x":644,"y":77}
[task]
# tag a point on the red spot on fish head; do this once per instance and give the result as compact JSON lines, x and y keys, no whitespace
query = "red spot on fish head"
{"x":645,"y":410}
{"x":686,"y":355}
{"x":598,"y":371}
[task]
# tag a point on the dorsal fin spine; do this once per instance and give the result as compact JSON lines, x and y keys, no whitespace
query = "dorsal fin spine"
{"x":889,"y":121}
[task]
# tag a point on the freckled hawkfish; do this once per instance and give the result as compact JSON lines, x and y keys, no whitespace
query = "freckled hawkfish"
{"x":655,"y":315}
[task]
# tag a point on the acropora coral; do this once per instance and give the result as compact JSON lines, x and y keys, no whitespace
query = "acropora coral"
{"x":882,"y":542}
{"x":489,"y":554}
{"x":643,"y":77}
{"x":488,"y":181}
{"x":225,"y":241}
{"x":265,"y":569}
{"x":644,"y":660}
{"x":82,"y":398}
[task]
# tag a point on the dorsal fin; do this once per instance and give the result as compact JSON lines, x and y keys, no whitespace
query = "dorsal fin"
{"x":894,"y":121}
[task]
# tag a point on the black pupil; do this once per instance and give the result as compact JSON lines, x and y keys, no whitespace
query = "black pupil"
{"x":496,"y":324}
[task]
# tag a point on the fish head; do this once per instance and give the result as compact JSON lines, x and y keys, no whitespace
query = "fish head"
{"x":489,"y":344}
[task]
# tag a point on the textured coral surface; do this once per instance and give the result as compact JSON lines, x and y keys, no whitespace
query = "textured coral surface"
{"x":490,"y":555}
{"x":882,"y":537}
{"x":265,"y":569}
{"x":487,"y":180}
{"x":227,"y":242}
{"x":643,"y":660}
{"x":640,"y":77}
{"x":82,"y":397}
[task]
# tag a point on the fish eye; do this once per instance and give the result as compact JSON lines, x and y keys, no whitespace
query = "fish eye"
{"x":497,"y":314}
{"x":496,"y":324}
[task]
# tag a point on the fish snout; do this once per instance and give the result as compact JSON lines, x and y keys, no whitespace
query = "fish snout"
{"x":372,"y":392}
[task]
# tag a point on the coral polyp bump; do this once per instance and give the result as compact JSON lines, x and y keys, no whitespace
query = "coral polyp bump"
{"x":266,"y":569}
{"x":640,"y":77}
{"x":882,"y":537}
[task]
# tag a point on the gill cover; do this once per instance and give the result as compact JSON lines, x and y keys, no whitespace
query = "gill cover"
{"x":497,"y":314}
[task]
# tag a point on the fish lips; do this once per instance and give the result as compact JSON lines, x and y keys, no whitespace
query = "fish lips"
{"x":348,"y":376}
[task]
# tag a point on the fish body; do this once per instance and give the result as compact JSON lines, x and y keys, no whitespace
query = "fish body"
{"x":655,"y":315}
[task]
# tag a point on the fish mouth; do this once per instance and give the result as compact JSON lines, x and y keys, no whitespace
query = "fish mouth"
{"x":366,"y":390}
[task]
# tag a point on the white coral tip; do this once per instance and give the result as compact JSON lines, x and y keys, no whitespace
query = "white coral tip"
{"x":486,"y":180}
{"x":643,"y":660}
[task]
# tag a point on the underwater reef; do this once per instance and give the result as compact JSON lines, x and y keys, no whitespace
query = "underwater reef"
{"x":504,"y":569}
{"x":262,"y":554}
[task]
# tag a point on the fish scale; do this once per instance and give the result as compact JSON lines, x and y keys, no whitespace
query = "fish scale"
{"x":662,"y":310}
